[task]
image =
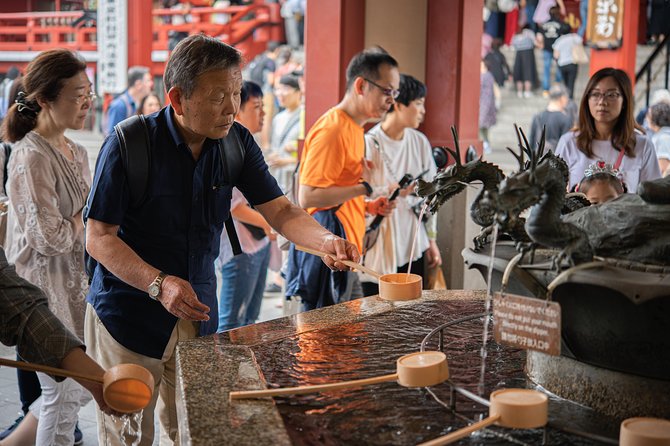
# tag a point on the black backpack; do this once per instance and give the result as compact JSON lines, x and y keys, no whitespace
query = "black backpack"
{"x":135,"y":146}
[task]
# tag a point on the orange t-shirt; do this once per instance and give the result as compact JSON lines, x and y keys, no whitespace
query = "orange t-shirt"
{"x":332,"y":156}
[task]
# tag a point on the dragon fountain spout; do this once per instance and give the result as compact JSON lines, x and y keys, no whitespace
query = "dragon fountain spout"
{"x":456,"y":178}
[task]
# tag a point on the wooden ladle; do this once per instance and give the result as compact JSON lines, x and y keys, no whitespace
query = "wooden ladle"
{"x":126,"y":388}
{"x":644,"y":431}
{"x":394,"y":287}
{"x":513,"y":408}
{"x":420,"y":369}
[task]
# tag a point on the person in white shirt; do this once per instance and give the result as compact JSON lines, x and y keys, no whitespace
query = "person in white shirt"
{"x":283,"y":154}
{"x":606,"y":131}
{"x":395,"y":148}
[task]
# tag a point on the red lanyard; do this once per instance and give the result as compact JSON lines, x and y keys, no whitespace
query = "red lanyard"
{"x":619,"y":159}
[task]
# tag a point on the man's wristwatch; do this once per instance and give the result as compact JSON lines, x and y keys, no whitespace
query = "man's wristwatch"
{"x":155,"y":288}
{"x":368,"y":188}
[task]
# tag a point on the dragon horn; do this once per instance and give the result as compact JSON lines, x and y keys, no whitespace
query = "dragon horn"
{"x":520,"y":157}
{"x":529,"y":151}
{"x":456,"y":144}
{"x":454,"y":154}
{"x":540,"y":143}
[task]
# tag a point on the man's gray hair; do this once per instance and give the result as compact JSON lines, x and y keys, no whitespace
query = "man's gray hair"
{"x":557,"y":91}
{"x":136,"y":73}
{"x":194,"y":56}
{"x":660,"y":114}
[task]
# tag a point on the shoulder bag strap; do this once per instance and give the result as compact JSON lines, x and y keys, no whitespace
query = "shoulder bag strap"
{"x":232,"y":153}
{"x":136,"y":155}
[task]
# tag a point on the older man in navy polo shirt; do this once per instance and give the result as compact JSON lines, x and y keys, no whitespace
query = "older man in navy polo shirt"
{"x":155,"y":283}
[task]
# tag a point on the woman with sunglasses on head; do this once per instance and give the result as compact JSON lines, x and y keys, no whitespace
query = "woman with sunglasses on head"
{"x":49,"y":180}
{"x":606,"y":131}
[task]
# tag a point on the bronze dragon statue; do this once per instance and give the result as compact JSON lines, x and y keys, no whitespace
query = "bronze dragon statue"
{"x":455,"y":178}
{"x":632,"y":227}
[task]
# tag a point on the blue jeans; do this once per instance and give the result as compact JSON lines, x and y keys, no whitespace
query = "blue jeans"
{"x":583,"y":12}
{"x":242,"y":289}
{"x":548,"y":59}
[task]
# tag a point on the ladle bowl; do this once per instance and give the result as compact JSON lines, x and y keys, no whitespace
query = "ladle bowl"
{"x":643,"y":431}
{"x":519,"y":408}
{"x":422,"y":369}
{"x":392,"y":287}
{"x":127,"y":387}
{"x":400,"y":286}
{"x":512,"y":408}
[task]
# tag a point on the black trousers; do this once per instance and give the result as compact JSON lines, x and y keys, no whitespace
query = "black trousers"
{"x":569,"y":73}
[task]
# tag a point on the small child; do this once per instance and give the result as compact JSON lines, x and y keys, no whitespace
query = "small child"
{"x":601,"y":183}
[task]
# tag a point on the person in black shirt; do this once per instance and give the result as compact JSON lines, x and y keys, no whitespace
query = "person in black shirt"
{"x":547,"y":34}
{"x":554,"y":119}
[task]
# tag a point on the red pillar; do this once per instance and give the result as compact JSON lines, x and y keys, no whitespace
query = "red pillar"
{"x":140,"y":32}
{"x":453,"y":56}
{"x":624,"y":56}
{"x":334,"y":32}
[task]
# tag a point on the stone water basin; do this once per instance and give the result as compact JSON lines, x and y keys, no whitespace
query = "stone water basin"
{"x":355,"y":340}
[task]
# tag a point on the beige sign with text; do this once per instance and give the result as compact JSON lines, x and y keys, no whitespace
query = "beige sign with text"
{"x":527,"y":323}
{"x":605,"y":23}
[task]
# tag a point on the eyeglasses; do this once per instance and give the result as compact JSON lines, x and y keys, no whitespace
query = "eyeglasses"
{"x":393,"y":93}
{"x":79,"y":99}
{"x":596,"y":96}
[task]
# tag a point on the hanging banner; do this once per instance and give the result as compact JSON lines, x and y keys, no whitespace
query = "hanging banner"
{"x":112,"y":46}
{"x":605,"y":24}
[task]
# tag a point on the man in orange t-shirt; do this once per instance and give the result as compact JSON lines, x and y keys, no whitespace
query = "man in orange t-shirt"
{"x":332,"y":188}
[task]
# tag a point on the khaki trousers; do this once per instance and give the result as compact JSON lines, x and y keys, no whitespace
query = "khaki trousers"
{"x":108,"y":353}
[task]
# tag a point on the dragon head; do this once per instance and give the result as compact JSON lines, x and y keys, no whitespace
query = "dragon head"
{"x":455,"y":178}
{"x":521,"y":190}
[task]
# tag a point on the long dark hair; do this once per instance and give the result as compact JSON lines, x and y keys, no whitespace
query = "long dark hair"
{"x":623,"y":133}
{"x":44,"y":79}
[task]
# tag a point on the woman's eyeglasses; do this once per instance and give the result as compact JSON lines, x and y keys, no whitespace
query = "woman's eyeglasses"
{"x":79,"y":99}
{"x":597,"y":96}
{"x":387,"y":91}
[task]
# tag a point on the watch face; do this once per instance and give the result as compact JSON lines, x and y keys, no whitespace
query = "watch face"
{"x":154,"y":290}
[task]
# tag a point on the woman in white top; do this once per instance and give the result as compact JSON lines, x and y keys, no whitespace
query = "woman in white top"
{"x":563,"y":54}
{"x":49,"y":180}
{"x":606,"y":131}
{"x":395,"y":148}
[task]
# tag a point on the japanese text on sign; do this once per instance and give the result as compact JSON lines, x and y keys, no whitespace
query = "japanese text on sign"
{"x":604,"y":28}
{"x":112,"y":46}
{"x":527,"y":323}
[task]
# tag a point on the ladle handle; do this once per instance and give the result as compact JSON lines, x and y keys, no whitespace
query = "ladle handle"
{"x":349,"y":263}
{"x":312,"y":389}
{"x":462,"y":433}
{"x":50,"y":370}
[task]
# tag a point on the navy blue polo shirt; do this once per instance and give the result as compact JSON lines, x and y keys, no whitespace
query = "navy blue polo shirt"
{"x":177,"y":228}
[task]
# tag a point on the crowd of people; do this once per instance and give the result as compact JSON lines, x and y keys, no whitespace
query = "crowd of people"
{"x":225,"y":152}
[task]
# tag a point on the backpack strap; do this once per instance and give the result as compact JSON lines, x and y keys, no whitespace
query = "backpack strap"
{"x":8,"y":151}
{"x":231,"y":152}
{"x":134,"y":143}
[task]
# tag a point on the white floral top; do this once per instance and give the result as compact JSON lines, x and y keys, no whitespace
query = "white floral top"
{"x":46,"y":190}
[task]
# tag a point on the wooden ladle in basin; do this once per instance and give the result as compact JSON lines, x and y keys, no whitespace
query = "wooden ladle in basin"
{"x":126,"y":388}
{"x":513,"y":408}
{"x":420,"y":369}
{"x":395,"y":287}
{"x":644,"y":431}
